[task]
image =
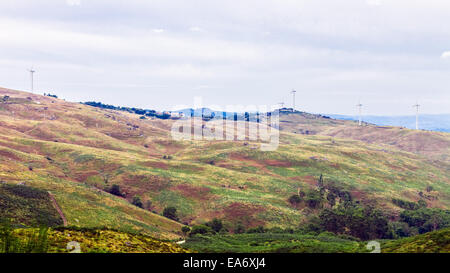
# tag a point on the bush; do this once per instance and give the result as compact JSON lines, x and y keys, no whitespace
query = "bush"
{"x":115,"y":190}
{"x":426,"y":219}
{"x":358,"y":221}
{"x":259,"y":229}
{"x":422,"y":203}
{"x":294,"y":199}
{"x":171,"y":213}
{"x":185,"y":230}
{"x":215,"y":224}
{"x":402,"y":229}
{"x":137,"y":202}
{"x":201,"y":229}
{"x":313,"y":199}
{"x":406,"y":204}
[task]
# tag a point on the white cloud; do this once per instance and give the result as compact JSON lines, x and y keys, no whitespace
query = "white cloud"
{"x":445,"y":55}
{"x":195,"y":29}
{"x":373,"y":2}
{"x":73,"y":2}
{"x":373,"y":47}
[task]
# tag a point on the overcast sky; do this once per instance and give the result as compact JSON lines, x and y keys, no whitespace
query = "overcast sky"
{"x":156,"y":54}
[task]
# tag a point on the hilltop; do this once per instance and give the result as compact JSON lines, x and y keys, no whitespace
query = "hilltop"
{"x":433,"y":145}
{"x":435,"y":122}
{"x":77,"y":152}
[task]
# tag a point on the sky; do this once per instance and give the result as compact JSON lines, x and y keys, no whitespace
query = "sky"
{"x":157,"y":54}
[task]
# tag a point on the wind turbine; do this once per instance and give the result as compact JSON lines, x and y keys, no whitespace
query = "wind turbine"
{"x":32,"y":71}
{"x":359,"y":105}
{"x":417,"y":115}
{"x":293,"y":100}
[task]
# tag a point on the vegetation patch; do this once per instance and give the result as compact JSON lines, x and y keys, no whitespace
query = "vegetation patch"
{"x":27,"y":206}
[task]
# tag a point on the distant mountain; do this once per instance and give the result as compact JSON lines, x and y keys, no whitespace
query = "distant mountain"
{"x":440,"y":123}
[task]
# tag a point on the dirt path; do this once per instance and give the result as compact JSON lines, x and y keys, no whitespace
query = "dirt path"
{"x":55,"y":204}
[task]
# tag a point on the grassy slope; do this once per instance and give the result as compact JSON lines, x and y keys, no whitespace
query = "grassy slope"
{"x":101,"y":241}
{"x":431,"y":242}
{"x":433,"y":145}
{"x":30,"y":154}
{"x":28,"y":206}
{"x":71,"y":148}
{"x":273,"y":243}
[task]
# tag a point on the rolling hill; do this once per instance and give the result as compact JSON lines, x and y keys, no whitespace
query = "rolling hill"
{"x":440,"y":123}
{"x":77,"y":152}
{"x":433,"y":145}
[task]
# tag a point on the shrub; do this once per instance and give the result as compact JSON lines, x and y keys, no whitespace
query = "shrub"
{"x":405,"y":204}
{"x":402,"y":229}
{"x":215,"y":224}
{"x":259,"y":229}
{"x":185,"y":230}
{"x":358,"y":221}
{"x":115,"y":190}
{"x":171,"y":213}
{"x":331,"y":198}
{"x":28,"y":206}
{"x":426,"y":219}
{"x":313,"y":199}
{"x":201,"y":229}
{"x":422,"y":203}
{"x":295,"y":199}
{"x":137,"y":202}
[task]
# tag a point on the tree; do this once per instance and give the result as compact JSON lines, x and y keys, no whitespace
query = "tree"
{"x":137,"y":202}
{"x":331,"y":197}
{"x":358,"y":221}
{"x":171,"y":213}
{"x":185,"y":230}
{"x":115,"y":190}
{"x":200,"y":229}
{"x":313,"y":199}
{"x":215,"y":224}
{"x":401,"y":229}
{"x":426,"y":219}
{"x":320,"y":181}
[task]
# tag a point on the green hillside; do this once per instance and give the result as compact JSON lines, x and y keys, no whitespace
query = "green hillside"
{"x":432,"y":242}
{"x":78,"y":152}
{"x":28,"y":206}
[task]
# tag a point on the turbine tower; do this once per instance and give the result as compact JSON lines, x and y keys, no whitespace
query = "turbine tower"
{"x":293,"y":100}
{"x":359,"y":105}
{"x":32,"y":71}
{"x":417,"y":115}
